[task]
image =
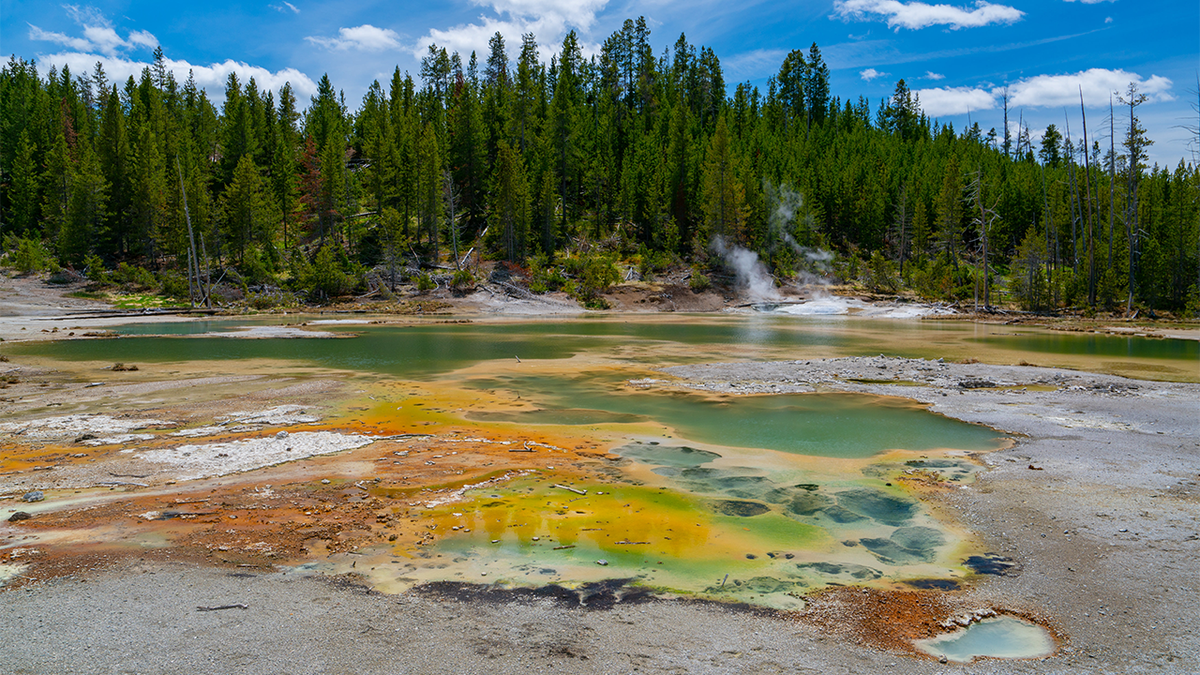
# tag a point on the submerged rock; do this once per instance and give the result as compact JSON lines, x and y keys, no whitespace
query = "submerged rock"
{"x":906,"y":545}
{"x":992,"y":564}
{"x":877,"y":505}
{"x":742,"y":509}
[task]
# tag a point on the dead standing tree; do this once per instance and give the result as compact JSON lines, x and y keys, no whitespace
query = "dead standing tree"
{"x":982,"y":218}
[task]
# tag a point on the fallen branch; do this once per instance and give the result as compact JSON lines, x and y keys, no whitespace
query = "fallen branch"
{"x":570,"y":489}
{"x":129,"y":475}
{"x":221,"y":607}
{"x":109,"y":483}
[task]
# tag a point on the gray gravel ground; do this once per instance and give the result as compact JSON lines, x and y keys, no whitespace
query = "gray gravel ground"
{"x":1106,"y":534}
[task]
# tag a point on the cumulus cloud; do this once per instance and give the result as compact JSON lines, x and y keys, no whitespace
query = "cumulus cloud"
{"x":870,"y":74}
{"x":940,"y":101}
{"x":102,"y":44}
{"x":549,"y":20}
{"x":210,"y":78}
{"x":1096,"y":83}
{"x":1045,"y":91}
{"x":917,"y":15}
{"x":366,"y":38}
{"x":98,"y":34}
{"x":930,"y":75}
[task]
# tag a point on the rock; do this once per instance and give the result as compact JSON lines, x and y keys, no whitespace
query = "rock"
{"x":602,"y":562}
{"x":19,"y":516}
{"x":35,"y":496}
{"x":282,"y":434}
{"x":325,"y":481}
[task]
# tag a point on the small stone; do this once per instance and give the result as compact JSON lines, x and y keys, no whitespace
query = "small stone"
{"x":35,"y":496}
{"x":325,"y":481}
{"x":282,"y":434}
{"x":602,"y":562}
{"x":19,"y":516}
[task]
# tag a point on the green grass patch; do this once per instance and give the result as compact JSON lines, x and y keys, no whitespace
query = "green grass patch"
{"x":142,"y":301}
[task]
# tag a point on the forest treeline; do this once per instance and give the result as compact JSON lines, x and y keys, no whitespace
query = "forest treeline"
{"x":563,"y":169}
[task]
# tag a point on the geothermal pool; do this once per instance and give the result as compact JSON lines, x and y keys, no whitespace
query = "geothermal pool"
{"x":524,"y":453}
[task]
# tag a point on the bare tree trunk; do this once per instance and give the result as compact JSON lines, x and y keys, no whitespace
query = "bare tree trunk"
{"x":1087,"y":179}
{"x":193,"y":264}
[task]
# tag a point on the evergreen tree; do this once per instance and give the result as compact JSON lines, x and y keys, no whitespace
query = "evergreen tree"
{"x":510,"y":203}
{"x":723,"y":193}
{"x":950,"y":211}
{"x":23,"y":205}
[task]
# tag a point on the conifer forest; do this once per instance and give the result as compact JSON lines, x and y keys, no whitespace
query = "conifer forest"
{"x":571,"y":172}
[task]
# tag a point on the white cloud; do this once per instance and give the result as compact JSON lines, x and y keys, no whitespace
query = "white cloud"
{"x":286,"y":7}
{"x":211,"y":77}
{"x":38,"y":34}
{"x":1108,"y":19}
{"x":753,"y":64}
{"x":1091,"y":2}
{"x":365,"y":38}
{"x":1097,"y":84}
{"x":143,"y":38}
{"x":870,"y":74}
{"x":930,"y":75}
{"x":98,"y":34}
{"x":916,"y":15}
{"x":549,"y":20}
{"x":1045,"y":91}
{"x":941,"y":101}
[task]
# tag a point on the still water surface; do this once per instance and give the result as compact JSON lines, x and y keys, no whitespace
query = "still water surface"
{"x":756,"y":498}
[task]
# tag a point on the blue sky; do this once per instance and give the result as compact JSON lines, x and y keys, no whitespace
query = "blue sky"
{"x":960,"y":57}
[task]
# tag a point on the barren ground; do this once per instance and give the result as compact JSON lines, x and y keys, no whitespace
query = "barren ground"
{"x":1097,"y":504}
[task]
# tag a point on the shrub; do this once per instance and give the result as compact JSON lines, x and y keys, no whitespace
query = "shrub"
{"x":462,"y":280}
{"x":134,"y":277}
{"x":881,"y":275}
{"x":93,"y":269}
{"x":699,"y":281}
{"x":325,"y":278}
{"x":545,"y":277}
{"x":599,"y":272}
{"x":30,"y":255}
{"x":425,"y":282}
{"x":172,"y":284}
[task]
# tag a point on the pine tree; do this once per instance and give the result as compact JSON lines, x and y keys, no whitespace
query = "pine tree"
{"x":510,"y":202}
{"x":23,"y":205}
{"x":429,"y":188}
{"x":56,"y":187}
{"x":247,"y":215}
{"x":115,"y":158}
{"x":723,"y":193}
{"x":148,"y":205}
{"x":86,"y":208}
{"x":950,"y":211}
